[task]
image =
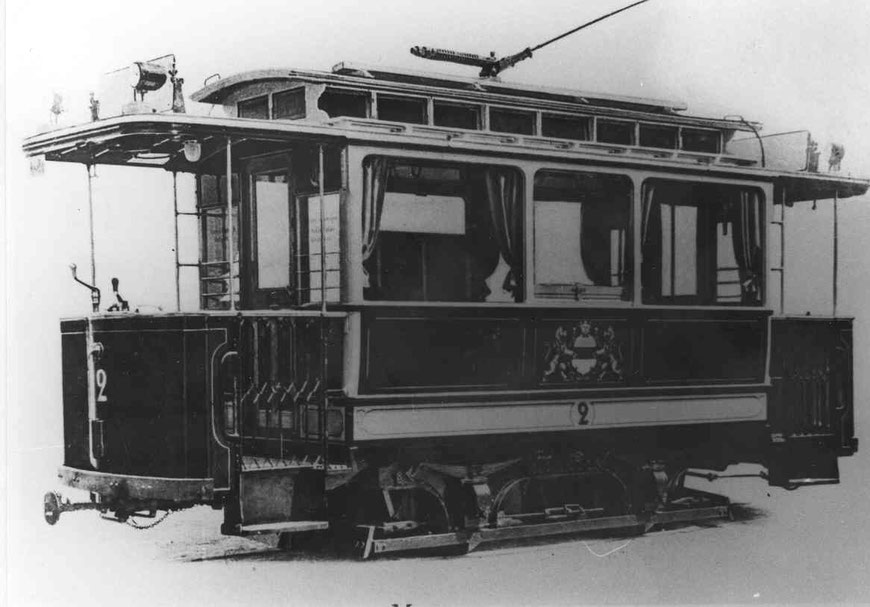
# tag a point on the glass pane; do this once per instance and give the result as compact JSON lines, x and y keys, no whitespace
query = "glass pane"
{"x":658,"y":136}
{"x":701,"y":140}
{"x":686,"y":250}
{"x":565,"y":127}
{"x":289,"y":104}
{"x":611,"y":131}
{"x":254,"y":108}
{"x":702,"y":244}
{"x":437,"y":240}
{"x":557,"y":244}
{"x":510,"y":121}
{"x":402,"y":109}
{"x":331,"y":247}
{"x":344,"y":103}
{"x":581,"y":220}
{"x":272,"y":201}
{"x":457,"y":116}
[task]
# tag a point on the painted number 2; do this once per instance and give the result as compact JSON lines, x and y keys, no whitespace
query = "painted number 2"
{"x":583,"y":412}
{"x":101,"y":379}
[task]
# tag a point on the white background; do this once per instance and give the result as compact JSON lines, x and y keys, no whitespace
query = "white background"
{"x":789,"y":64}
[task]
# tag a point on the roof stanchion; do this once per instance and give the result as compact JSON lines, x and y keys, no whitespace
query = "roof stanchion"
{"x":177,"y":260}
{"x":324,"y":332}
{"x":91,"y":223}
{"x":836,"y":250}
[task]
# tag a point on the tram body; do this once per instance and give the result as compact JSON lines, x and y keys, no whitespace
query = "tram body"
{"x":448,"y":306}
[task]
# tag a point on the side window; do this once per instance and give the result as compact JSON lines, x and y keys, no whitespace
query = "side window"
{"x":215,"y":267}
{"x":582,"y":237}
{"x":271,"y":195}
{"x":441,"y":232}
{"x":344,"y":102}
{"x":317,"y":260}
{"x":254,"y":108}
{"x":702,"y":244}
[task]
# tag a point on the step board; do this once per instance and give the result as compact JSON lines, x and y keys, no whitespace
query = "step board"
{"x":472,"y":539}
{"x":284,"y":527}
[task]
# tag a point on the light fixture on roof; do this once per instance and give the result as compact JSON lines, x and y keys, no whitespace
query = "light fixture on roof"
{"x":146,"y":77}
{"x":192,"y":150}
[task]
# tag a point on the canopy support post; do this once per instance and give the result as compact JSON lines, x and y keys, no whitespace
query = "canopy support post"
{"x":177,"y":259}
{"x":324,"y":333}
{"x":836,"y":251}
{"x":229,"y":224}
{"x":782,"y":258}
{"x":91,"y":222}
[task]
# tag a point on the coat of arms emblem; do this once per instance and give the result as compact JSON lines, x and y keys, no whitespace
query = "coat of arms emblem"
{"x":584,"y":352}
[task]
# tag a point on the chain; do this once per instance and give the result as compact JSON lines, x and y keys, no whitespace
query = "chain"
{"x":131,"y":521}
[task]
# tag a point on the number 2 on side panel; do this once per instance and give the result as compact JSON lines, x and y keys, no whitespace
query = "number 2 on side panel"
{"x":101,"y":379}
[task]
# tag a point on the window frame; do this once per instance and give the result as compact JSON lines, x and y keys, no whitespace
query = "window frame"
{"x":293,"y":89}
{"x":533,"y":114}
{"x":524,"y":296}
{"x":696,"y":301}
{"x":375,"y":106}
{"x":241,"y":102}
{"x":630,"y":246}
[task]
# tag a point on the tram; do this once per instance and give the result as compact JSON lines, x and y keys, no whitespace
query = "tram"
{"x":437,"y":311}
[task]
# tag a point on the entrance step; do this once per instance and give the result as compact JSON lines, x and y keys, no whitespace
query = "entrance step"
{"x":284,"y":527}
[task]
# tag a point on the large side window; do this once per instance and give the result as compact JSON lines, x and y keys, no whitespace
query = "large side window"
{"x":441,"y":232}
{"x":702,"y":244}
{"x":582,"y":243}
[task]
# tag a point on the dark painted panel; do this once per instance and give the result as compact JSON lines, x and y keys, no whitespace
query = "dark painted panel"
{"x":414,"y":353}
{"x":697,"y":350}
{"x":426,"y":349}
{"x":144,"y":408}
{"x":75,"y":400}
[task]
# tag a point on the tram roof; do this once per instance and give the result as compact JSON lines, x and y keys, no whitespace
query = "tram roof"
{"x":369,"y":76}
{"x":157,"y":140}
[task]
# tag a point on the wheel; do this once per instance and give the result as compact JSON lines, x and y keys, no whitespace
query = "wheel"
{"x":51,"y":507}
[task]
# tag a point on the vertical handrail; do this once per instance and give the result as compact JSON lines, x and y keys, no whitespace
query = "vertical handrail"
{"x":88,"y":167}
{"x":230,"y":243}
{"x":324,"y":438}
{"x":782,"y":258}
{"x":177,"y":258}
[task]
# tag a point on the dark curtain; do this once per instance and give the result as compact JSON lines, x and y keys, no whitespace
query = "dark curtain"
{"x":651,"y":246}
{"x":375,"y":174}
{"x":596,"y":220}
{"x":746,"y":237}
{"x":504,"y":199}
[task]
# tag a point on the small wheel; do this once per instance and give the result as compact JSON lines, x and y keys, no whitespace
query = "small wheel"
{"x":51,"y":507}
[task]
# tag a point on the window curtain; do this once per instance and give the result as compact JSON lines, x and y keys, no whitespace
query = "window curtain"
{"x":595,"y":225}
{"x":375,"y":173}
{"x":746,"y":237}
{"x":505,"y":202}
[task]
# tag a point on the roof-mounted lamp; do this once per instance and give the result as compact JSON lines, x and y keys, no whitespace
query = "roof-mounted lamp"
{"x":146,"y":77}
{"x":192,"y":150}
